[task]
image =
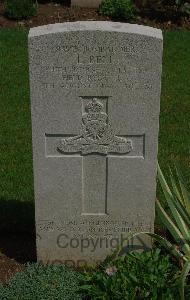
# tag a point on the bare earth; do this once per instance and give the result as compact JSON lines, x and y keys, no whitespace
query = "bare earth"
{"x":50,"y":13}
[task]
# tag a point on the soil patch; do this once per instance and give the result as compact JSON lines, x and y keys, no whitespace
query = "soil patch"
{"x":17,"y":249}
{"x":8,"y":267}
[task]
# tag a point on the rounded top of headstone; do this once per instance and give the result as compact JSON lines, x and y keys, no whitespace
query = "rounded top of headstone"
{"x":96,"y":26}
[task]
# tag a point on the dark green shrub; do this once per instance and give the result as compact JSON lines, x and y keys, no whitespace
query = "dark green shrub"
{"x":118,"y":9}
{"x":182,"y":6}
{"x":149,"y":3}
{"x":20,"y":9}
{"x":147,"y":275}
{"x":43,"y":283}
{"x":172,"y":6}
{"x":185,"y":8}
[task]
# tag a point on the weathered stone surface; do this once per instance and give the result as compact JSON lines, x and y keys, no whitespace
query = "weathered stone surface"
{"x":95,"y":99}
{"x":86,"y":3}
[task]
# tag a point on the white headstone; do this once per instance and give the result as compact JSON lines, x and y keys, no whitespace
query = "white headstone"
{"x":95,"y":100}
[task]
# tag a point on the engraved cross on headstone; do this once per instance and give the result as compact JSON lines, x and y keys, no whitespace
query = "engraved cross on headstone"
{"x":96,"y":142}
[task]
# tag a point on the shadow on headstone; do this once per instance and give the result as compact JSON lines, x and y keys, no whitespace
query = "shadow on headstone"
{"x":137,"y":244}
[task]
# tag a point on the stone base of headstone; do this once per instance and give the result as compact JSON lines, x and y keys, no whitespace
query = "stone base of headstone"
{"x":86,"y":3}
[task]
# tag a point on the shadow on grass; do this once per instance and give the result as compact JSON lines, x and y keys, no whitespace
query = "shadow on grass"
{"x":17,"y":230}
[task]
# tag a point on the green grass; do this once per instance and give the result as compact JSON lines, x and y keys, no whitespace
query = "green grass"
{"x":16,"y":177}
{"x":43,"y":283}
{"x":174,"y":139}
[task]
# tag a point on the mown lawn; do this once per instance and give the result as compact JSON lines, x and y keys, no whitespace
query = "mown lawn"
{"x":174,"y":139}
{"x":16,"y":177}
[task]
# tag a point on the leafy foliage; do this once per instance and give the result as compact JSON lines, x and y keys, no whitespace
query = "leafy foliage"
{"x":43,"y":282}
{"x":118,"y":9}
{"x":172,"y":6}
{"x":180,"y":2}
{"x":176,"y":218}
{"x":150,"y":3}
{"x":185,"y":8}
{"x":146,"y":275}
{"x":20,"y":9}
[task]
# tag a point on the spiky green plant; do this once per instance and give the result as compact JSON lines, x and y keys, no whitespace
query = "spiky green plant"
{"x":177,"y":218}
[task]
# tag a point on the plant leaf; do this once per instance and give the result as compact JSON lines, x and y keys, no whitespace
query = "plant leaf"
{"x":183,"y":276}
{"x":175,"y":214}
{"x":162,"y":241}
{"x":184,"y":191}
{"x":175,"y":232}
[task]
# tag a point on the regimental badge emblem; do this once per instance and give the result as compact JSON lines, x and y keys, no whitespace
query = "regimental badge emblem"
{"x":97,"y":135}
